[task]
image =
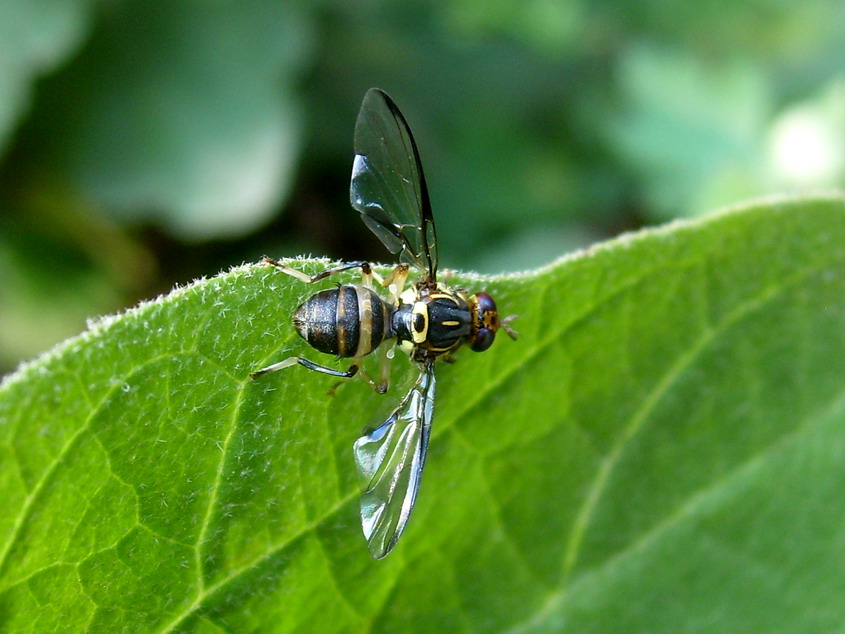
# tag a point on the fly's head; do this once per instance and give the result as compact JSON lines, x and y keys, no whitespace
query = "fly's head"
{"x":486,"y":322}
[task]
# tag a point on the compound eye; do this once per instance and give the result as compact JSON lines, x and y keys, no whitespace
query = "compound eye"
{"x":483,"y":339}
{"x":485,"y":303}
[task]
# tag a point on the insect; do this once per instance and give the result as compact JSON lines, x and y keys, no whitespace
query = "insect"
{"x":429,"y":320}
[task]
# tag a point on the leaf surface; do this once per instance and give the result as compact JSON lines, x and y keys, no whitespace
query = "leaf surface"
{"x":661,"y":451}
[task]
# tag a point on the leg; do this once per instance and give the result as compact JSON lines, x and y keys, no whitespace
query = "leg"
{"x":395,"y":282}
{"x":385,"y":364}
{"x":448,"y":358}
{"x":357,"y":370}
{"x":286,"y":363}
{"x":384,"y":358}
{"x":380,"y":387}
{"x":354,"y":369}
{"x":366,"y":271}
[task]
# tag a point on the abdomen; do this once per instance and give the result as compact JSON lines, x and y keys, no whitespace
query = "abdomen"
{"x":348,"y":321}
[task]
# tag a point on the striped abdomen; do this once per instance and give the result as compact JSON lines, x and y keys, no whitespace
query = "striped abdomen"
{"x":348,"y":321}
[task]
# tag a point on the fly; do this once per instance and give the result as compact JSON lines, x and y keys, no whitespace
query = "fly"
{"x":429,"y":320}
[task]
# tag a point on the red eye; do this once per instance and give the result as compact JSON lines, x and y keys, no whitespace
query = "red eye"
{"x":485,"y":303}
{"x":483,"y":339}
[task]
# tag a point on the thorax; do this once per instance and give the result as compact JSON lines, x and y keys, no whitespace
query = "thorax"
{"x":431,"y":322}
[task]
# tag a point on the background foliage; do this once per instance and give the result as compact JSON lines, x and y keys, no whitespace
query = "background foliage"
{"x":144,"y":144}
{"x":687,"y":474}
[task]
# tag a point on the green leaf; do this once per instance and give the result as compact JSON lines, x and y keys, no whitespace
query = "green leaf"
{"x":661,"y":451}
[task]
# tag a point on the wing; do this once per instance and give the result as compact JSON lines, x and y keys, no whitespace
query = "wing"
{"x":388,"y":185}
{"x":390,"y":458}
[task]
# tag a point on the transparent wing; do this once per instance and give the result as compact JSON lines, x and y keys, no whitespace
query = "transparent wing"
{"x":390,"y":458}
{"x":388,"y":185}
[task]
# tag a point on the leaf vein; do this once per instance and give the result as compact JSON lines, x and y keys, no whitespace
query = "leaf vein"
{"x":696,"y":501}
{"x":640,"y":415}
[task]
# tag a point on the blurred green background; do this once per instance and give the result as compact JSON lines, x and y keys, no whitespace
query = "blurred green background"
{"x":143,"y":144}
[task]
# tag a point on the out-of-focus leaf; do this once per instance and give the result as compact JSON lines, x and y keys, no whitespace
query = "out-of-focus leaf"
{"x":35,"y":310}
{"x":551,"y":27}
{"x":35,"y":36}
{"x":184,"y":112}
{"x":60,"y":263}
{"x":807,"y":141}
{"x":661,"y":451}
{"x":708,"y":25}
{"x":693,"y":133}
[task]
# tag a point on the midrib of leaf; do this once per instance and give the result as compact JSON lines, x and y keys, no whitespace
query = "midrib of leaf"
{"x":637,"y":421}
{"x":215,"y":489}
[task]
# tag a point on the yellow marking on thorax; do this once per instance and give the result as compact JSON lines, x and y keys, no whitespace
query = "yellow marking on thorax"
{"x":444,"y":296}
{"x":420,"y":335}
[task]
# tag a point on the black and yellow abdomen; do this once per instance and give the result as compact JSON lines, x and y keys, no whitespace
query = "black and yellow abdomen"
{"x":347,"y":321}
